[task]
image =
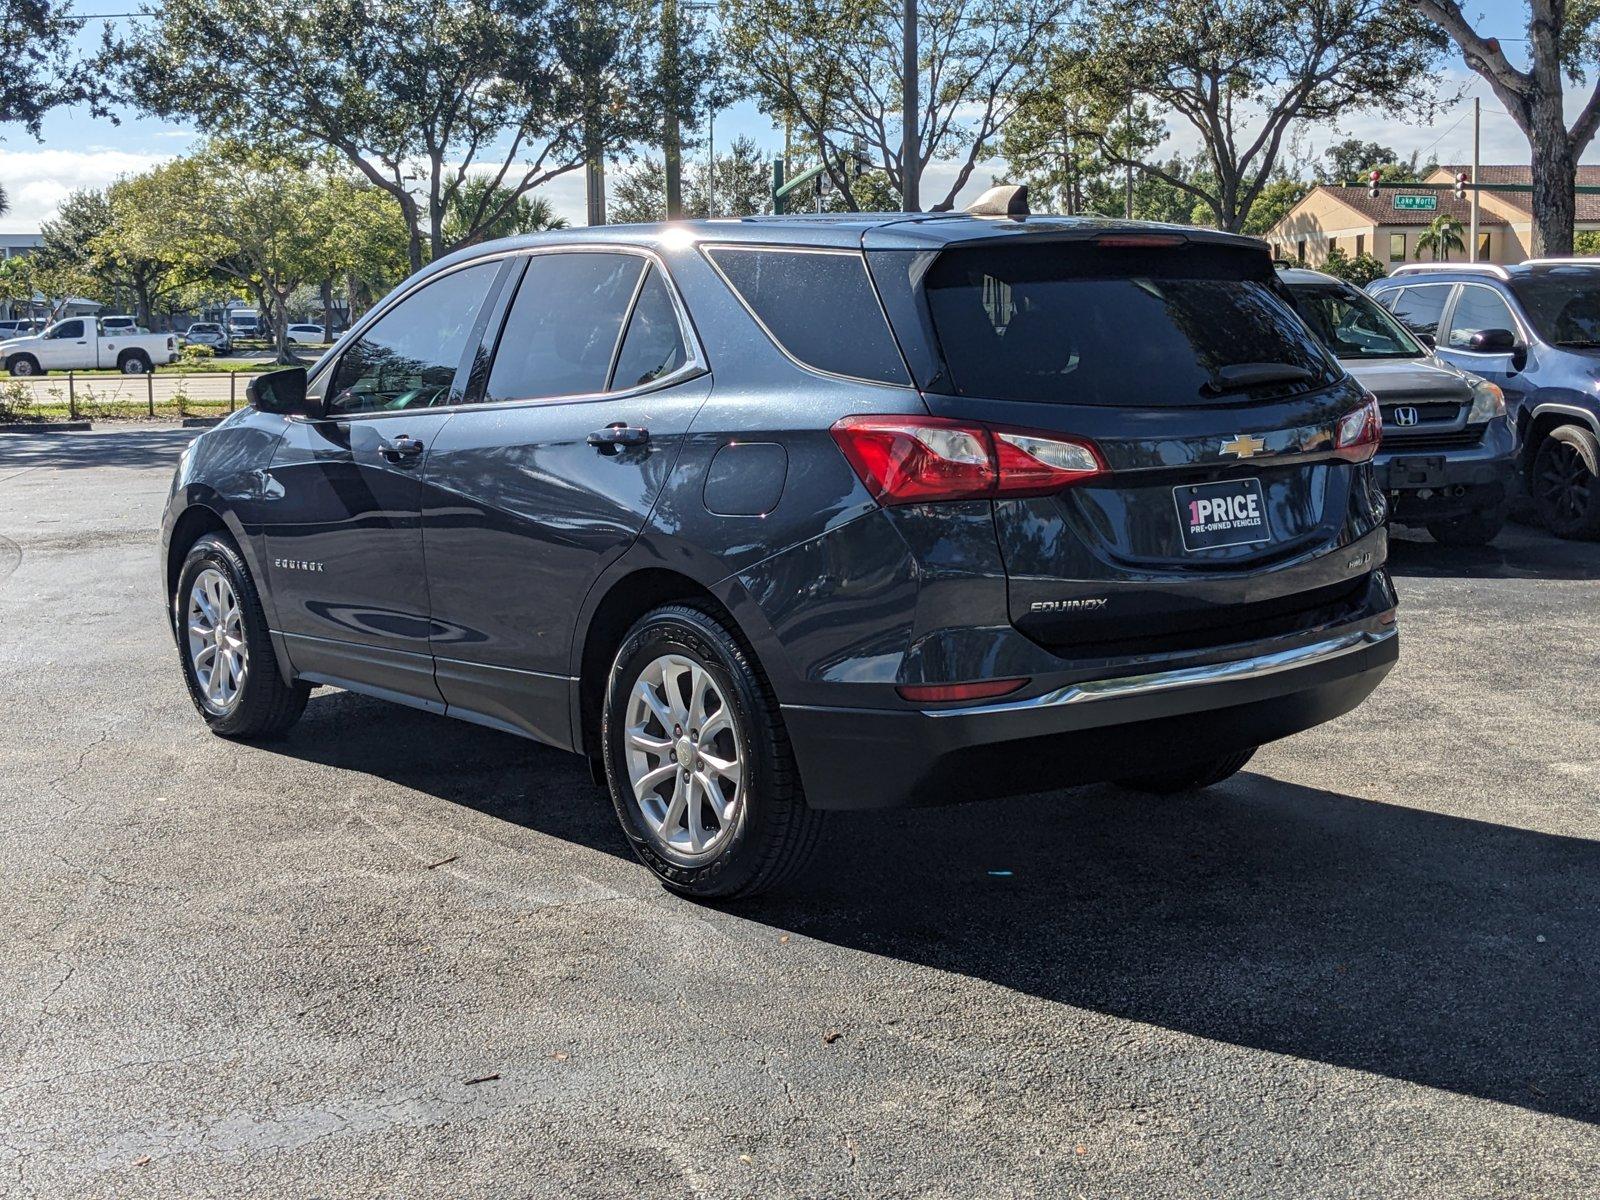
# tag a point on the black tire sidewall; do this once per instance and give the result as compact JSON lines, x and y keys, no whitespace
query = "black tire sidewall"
{"x":1472,"y":529}
{"x":688,"y":632}
{"x":1588,"y":447}
{"x":213,"y":550}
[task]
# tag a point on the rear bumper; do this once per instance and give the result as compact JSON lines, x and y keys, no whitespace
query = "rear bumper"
{"x":1087,"y":731}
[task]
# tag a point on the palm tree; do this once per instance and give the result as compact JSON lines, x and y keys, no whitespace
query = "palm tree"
{"x":479,"y":196}
{"x":1442,"y":235}
{"x":5,"y":202}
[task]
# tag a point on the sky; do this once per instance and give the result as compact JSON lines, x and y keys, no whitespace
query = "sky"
{"x":78,"y":150}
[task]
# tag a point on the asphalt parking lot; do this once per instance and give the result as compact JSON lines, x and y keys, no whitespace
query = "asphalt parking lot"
{"x":398,"y":955}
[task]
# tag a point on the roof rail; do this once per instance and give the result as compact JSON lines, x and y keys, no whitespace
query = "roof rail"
{"x":1494,"y":269}
{"x":1575,"y":260}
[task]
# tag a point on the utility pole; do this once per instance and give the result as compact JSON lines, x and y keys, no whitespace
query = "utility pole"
{"x":1127,"y":180}
{"x":671,"y":136}
{"x":711,"y":162}
{"x":910,"y":153}
{"x":1477,"y":113}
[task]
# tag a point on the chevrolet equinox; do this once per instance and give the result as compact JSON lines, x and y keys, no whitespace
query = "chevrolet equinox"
{"x":772,"y":516}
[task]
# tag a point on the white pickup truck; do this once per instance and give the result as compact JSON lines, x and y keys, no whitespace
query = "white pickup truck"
{"x":80,"y":344}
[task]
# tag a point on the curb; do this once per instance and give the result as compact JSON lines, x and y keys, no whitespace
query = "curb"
{"x":200,"y":422}
{"x":45,"y":427}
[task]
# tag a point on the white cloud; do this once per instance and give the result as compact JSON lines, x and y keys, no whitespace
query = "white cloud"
{"x":37,"y":181}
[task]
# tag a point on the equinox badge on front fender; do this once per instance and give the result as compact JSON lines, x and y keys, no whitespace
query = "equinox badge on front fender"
{"x":1090,"y":604}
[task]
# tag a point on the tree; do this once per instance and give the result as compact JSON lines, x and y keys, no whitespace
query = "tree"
{"x":418,"y":98}
{"x":1243,"y":73}
{"x":1350,"y":162}
{"x":739,"y":184}
{"x":42,"y":67}
{"x":1273,"y":202}
{"x":519,"y":214}
{"x":87,"y":235}
{"x":1360,"y":270}
{"x":1562,"y":46}
{"x":832,"y":69}
{"x":256,"y":219}
{"x":1442,"y":235}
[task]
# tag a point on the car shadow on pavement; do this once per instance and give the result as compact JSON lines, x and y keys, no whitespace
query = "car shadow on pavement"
{"x":1449,"y":952}
{"x":144,"y":448}
{"x":1518,"y":553}
{"x":1453,"y":953}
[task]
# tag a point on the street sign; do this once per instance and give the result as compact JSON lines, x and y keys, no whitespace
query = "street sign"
{"x":1415,"y":202}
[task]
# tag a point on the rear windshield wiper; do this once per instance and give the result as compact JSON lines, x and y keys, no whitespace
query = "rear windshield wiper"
{"x":1580,"y":344}
{"x":1241,"y":377}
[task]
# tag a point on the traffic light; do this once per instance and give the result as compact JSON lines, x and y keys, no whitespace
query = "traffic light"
{"x":1372,"y":183}
{"x":1461,"y":185}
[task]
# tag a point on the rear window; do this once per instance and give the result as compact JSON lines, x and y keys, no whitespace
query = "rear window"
{"x":1564,"y":306}
{"x":819,"y":306}
{"x":1076,"y":323}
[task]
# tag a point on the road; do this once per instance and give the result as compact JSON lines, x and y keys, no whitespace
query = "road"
{"x":396,"y":955}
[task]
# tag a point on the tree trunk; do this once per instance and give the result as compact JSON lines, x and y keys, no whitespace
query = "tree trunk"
{"x":327,"y":310}
{"x":1554,"y":177}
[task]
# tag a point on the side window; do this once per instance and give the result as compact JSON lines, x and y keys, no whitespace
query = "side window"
{"x":1420,"y":307}
{"x":68,"y":329}
{"x":819,"y":306}
{"x":1477,"y":308}
{"x":653,"y":346}
{"x":563,"y":326}
{"x":408,"y":358}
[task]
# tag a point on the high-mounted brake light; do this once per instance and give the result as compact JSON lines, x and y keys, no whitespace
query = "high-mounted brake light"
{"x":1132,"y":240}
{"x":911,"y":460}
{"x":1358,"y":433}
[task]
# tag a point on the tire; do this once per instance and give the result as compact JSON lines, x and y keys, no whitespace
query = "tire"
{"x":263,"y":704}
{"x":133,"y":364}
{"x":24,"y":365}
{"x":1566,"y":482}
{"x":1189,"y":778}
{"x":764,"y":831}
{"x":1472,"y":529}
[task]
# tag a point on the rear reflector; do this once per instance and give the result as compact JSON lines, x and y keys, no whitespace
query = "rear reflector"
{"x":951,"y":693}
{"x":909,"y":460}
{"x":1358,"y":433}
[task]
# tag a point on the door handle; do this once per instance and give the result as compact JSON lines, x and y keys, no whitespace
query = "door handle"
{"x":403,"y":447}
{"x":618,"y":436}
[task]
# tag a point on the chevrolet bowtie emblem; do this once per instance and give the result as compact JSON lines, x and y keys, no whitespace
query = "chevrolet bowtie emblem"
{"x":1244,"y":445}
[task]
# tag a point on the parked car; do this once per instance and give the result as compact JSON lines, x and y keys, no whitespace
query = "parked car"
{"x":19,"y":328}
{"x":79,"y":344}
{"x":1448,"y":455}
{"x":1533,"y":330}
{"x":1076,"y":500}
{"x":115,"y":325}
{"x":209,"y":333}
{"x":307,"y":335}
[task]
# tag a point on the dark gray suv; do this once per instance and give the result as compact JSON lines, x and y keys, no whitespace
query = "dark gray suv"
{"x":774,"y":516}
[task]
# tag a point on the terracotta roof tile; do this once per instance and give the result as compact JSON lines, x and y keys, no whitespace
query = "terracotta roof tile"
{"x":1381,"y":211}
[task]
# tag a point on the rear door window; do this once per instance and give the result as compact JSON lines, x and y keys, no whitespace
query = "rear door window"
{"x":818,"y":305}
{"x":653,"y":346}
{"x":1078,"y":324}
{"x":561,"y":334}
{"x":1420,"y":307}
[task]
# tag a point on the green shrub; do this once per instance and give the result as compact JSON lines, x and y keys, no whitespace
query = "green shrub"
{"x":195,"y":355}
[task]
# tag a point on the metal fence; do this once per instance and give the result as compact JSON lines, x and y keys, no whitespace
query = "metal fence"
{"x":153,"y":393}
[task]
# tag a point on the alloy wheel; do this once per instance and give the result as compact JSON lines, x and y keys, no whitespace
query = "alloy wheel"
{"x":1564,"y":481}
{"x":218,"y":654}
{"x":685,"y":758}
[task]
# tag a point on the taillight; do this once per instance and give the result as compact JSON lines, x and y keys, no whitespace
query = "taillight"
{"x":909,"y":460}
{"x":1359,"y":432}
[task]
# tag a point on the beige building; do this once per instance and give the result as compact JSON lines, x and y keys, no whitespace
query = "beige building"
{"x":1387,"y":227}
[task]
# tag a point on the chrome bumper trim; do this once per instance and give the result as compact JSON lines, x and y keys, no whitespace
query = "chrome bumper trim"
{"x":1161,"y":681}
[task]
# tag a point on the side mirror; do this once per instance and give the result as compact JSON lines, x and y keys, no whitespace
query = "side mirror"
{"x":1493,"y":341}
{"x":284,"y":392}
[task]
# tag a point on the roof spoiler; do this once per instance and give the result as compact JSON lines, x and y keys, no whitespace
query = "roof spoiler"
{"x":1002,"y":200}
